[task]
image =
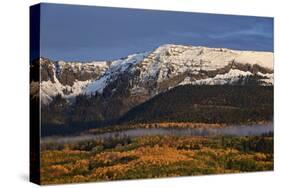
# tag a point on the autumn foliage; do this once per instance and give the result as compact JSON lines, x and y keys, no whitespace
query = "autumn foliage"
{"x":154,"y":156}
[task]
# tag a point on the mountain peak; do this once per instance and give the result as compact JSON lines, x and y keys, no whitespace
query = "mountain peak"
{"x":144,"y":75}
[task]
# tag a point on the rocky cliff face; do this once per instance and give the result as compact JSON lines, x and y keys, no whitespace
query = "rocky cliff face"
{"x":67,"y":79}
{"x":144,"y":75}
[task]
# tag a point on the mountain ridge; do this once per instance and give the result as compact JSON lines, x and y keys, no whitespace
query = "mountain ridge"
{"x":149,"y":73}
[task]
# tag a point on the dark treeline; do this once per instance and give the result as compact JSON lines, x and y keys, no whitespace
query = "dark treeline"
{"x":206,"y":104}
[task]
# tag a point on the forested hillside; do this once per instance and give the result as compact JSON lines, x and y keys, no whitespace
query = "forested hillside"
{"x":189,"y":103}
{"x":208,"y":104}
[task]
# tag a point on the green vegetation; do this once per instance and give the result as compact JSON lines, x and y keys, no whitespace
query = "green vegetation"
{"x":153,"y":156}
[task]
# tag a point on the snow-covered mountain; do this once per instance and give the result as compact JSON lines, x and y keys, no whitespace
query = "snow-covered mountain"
{"x":143,"y":75}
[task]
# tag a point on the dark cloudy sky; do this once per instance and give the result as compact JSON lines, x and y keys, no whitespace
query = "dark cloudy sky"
{"x":87,"y":33}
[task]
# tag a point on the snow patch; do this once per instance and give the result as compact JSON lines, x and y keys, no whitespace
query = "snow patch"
{"x":116,"y":68}
{"x":164,"y":63}
{"x":263,"y":59}
{"x":232,"y":76}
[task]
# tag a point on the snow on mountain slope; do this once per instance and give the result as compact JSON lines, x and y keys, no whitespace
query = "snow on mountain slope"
{"x":147,"y":74}
{"x":116,"y":68}
{"x":220,"y":79}
{"x":171,"y":65}
{"x":50,"y":89}
{"x":263,"y":59}
{"x":171,"y":60}
{"x":67,"y":79}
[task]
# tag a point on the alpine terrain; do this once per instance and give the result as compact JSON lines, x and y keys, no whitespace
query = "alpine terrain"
{"x":101,"y":92}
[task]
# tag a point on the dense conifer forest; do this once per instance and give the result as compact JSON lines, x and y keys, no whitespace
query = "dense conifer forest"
{"x":203,"y":104}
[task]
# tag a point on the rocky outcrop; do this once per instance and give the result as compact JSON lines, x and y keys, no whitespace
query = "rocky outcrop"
{"x":67,"y":79}
{"x":47,"y":70}
{"x":143,"y":75}
{"x":68,"y":72}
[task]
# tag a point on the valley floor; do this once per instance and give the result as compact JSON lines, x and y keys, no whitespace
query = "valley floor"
{"x":153,"y":157}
